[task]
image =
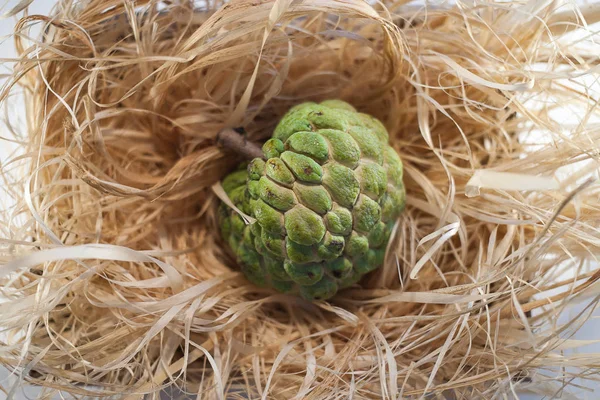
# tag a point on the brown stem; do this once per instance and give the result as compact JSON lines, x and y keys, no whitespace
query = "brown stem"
{"x":230,"y":139}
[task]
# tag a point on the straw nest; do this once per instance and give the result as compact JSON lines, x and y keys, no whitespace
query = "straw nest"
{"x":115,"y":278}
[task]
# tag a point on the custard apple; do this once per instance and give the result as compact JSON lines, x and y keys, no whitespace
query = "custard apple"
{"x":325,"y":201}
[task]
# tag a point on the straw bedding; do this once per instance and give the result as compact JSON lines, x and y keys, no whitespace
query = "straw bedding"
{"x":116,"y":281}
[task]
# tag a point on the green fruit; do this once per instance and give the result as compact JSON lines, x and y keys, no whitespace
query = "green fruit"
{"x":275,"y":195}
{"x":304,"y":168}
{"x":342,"y":183}
{"x":339,"y":220}
{"x":366,"y":214}
{"x":323,"y":289}
{"x":358,"y":245}
{"x":273,"y":148}
{"x":310,"y":144}
{"x":331,"y":247}
{"x":256,"y":169}
{"x":278,"y":172}
{"x":325,"y":202}
{"x":315,"y":197}
{"x":304,"y":274}
{"x":339,"y":268}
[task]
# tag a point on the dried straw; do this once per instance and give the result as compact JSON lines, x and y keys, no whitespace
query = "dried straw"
{"x":113,"y":272}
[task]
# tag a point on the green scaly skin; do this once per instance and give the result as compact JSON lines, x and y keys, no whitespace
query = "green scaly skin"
{"x":325,"y":202}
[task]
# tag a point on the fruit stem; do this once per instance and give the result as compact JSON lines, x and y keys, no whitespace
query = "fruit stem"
{"x":230,"y":139}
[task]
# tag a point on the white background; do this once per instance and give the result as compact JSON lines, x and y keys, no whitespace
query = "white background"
{"x":591,"y":329}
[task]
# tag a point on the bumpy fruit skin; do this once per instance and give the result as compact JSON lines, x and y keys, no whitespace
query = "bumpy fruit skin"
{"x":325,"y":202}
